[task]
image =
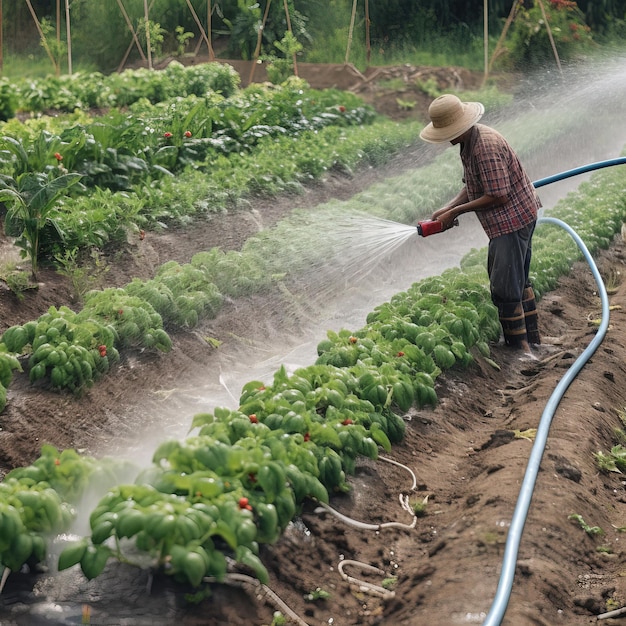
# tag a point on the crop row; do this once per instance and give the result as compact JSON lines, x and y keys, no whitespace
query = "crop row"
{"x":94,"y":90}
{"x":180,"y":296}
{"x":154,"y":164}
{"x":246,"y":473}
{"x":199,"y":147}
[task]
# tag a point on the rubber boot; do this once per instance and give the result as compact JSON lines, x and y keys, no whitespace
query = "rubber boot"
{"x":530,"y":316}
{"x":511,"y":316}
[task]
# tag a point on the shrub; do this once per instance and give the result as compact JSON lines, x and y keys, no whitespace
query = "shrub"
{"x":529,"y":45}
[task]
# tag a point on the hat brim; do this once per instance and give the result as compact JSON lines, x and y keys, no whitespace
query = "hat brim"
{"x":472,"y":112}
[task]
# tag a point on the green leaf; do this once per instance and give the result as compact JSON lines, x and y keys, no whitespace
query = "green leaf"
{"x":94,"y":560}
{"x":245,"y":556}
{"x":164,"y":451}
{"x":379,"y":436}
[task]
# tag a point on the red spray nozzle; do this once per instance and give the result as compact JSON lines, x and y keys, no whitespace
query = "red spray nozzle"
{"x":431,"y":227}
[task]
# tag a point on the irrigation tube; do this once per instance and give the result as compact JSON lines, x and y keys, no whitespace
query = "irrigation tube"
{"x":579,"y":170}
{"x":503,"y":592}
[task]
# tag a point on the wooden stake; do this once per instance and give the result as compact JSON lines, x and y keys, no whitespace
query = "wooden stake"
{"x":203,"y":34}
{"x":507,"y":25}
{"x":209,"y":14}
{"x":133,"y":33}
{"x":146,"y":19}
{"x":68,"y":36}
{"x":295,"y":61}
{"x":545,"y":19}
{"x":368,"y":48}
{"x":257,"y":50}
{"x":486,"y":36}
{"x":44,"y":43}
{"x":352,"y":18}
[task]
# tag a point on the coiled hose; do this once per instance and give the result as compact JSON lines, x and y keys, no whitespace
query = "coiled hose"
{"x":503,"y":592}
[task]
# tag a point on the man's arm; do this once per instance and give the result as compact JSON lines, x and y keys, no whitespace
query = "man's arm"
{"x":460,"y":204}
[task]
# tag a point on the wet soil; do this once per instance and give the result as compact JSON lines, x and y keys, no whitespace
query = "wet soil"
{"x":468,"y":456}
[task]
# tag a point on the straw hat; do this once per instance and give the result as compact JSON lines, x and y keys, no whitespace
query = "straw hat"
{"x":450,"y":118}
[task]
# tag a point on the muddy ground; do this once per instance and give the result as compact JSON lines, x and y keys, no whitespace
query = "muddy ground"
{"x":468,"y":455}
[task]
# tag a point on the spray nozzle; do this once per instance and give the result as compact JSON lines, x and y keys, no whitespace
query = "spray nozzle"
{"x":432,"y":227}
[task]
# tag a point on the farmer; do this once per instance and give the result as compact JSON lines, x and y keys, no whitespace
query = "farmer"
{"x":499,"y":191}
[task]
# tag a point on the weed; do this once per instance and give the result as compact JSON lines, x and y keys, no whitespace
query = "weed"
{"x":605,"y":462}
{"x":199,"y":596}
{"x":590,"y":530}
{"x":389,"y":583}
{"x":279,"y":619}
{"x":318,"y":594}
{"x":529,"y":433}
{"x":84,"y":275}
{"x":429,"y":87}
{"x":212,"y":341}
{"x":17,"y":280}
{"x":620,"y":436}
{"x":393,"y":84}
{"x":612,"y":281}
{"x":419,"y":507}
{"x":406,"y":105}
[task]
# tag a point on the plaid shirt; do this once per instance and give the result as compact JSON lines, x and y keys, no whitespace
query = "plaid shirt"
{"x":492,"y":168}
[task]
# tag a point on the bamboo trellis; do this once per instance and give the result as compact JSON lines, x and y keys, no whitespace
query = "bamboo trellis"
{"x":509,"y":20}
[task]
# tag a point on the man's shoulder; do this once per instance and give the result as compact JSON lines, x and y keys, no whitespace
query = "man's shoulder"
{"x":488,"y":138}
{"x":489,"y":133}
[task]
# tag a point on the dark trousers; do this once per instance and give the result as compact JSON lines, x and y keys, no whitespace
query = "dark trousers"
{"x":508,"y":265}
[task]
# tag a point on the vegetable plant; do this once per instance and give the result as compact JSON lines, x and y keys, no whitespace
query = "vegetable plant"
{"x":242,"y":474}
{"x":32,"y":198}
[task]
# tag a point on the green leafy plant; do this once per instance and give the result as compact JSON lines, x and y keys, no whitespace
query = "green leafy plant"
{"x":17,"y":280}
{"x":278,"y":619}
{"x":405,"y":105}
{"x":613,"y":461}
{"x":419,"y":507}
{"x":429,"y":87}
{"x":182,"y":37}
{"x":84,"y":273}
{"x":530,"y":44}
{"x":389,"y":583}
{"x":280,"y":68}
{"x":317,"y":594}
{"x":32,"y":197}
{"x":53,"y":46}
{"x":153,"y":30}
{"x":8,"y":99}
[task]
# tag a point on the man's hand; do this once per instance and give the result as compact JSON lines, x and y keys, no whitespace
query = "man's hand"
{"x":446,"y":216}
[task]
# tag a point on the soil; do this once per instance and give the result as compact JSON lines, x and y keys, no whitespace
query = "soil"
{"x":468,"y":455}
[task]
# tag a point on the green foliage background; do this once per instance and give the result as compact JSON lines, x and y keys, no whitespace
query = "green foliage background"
{"x":444,"y":30}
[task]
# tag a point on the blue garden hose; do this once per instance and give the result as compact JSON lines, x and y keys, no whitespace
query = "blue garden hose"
{"x":579,"y":170}
{"x":503,"y":592}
